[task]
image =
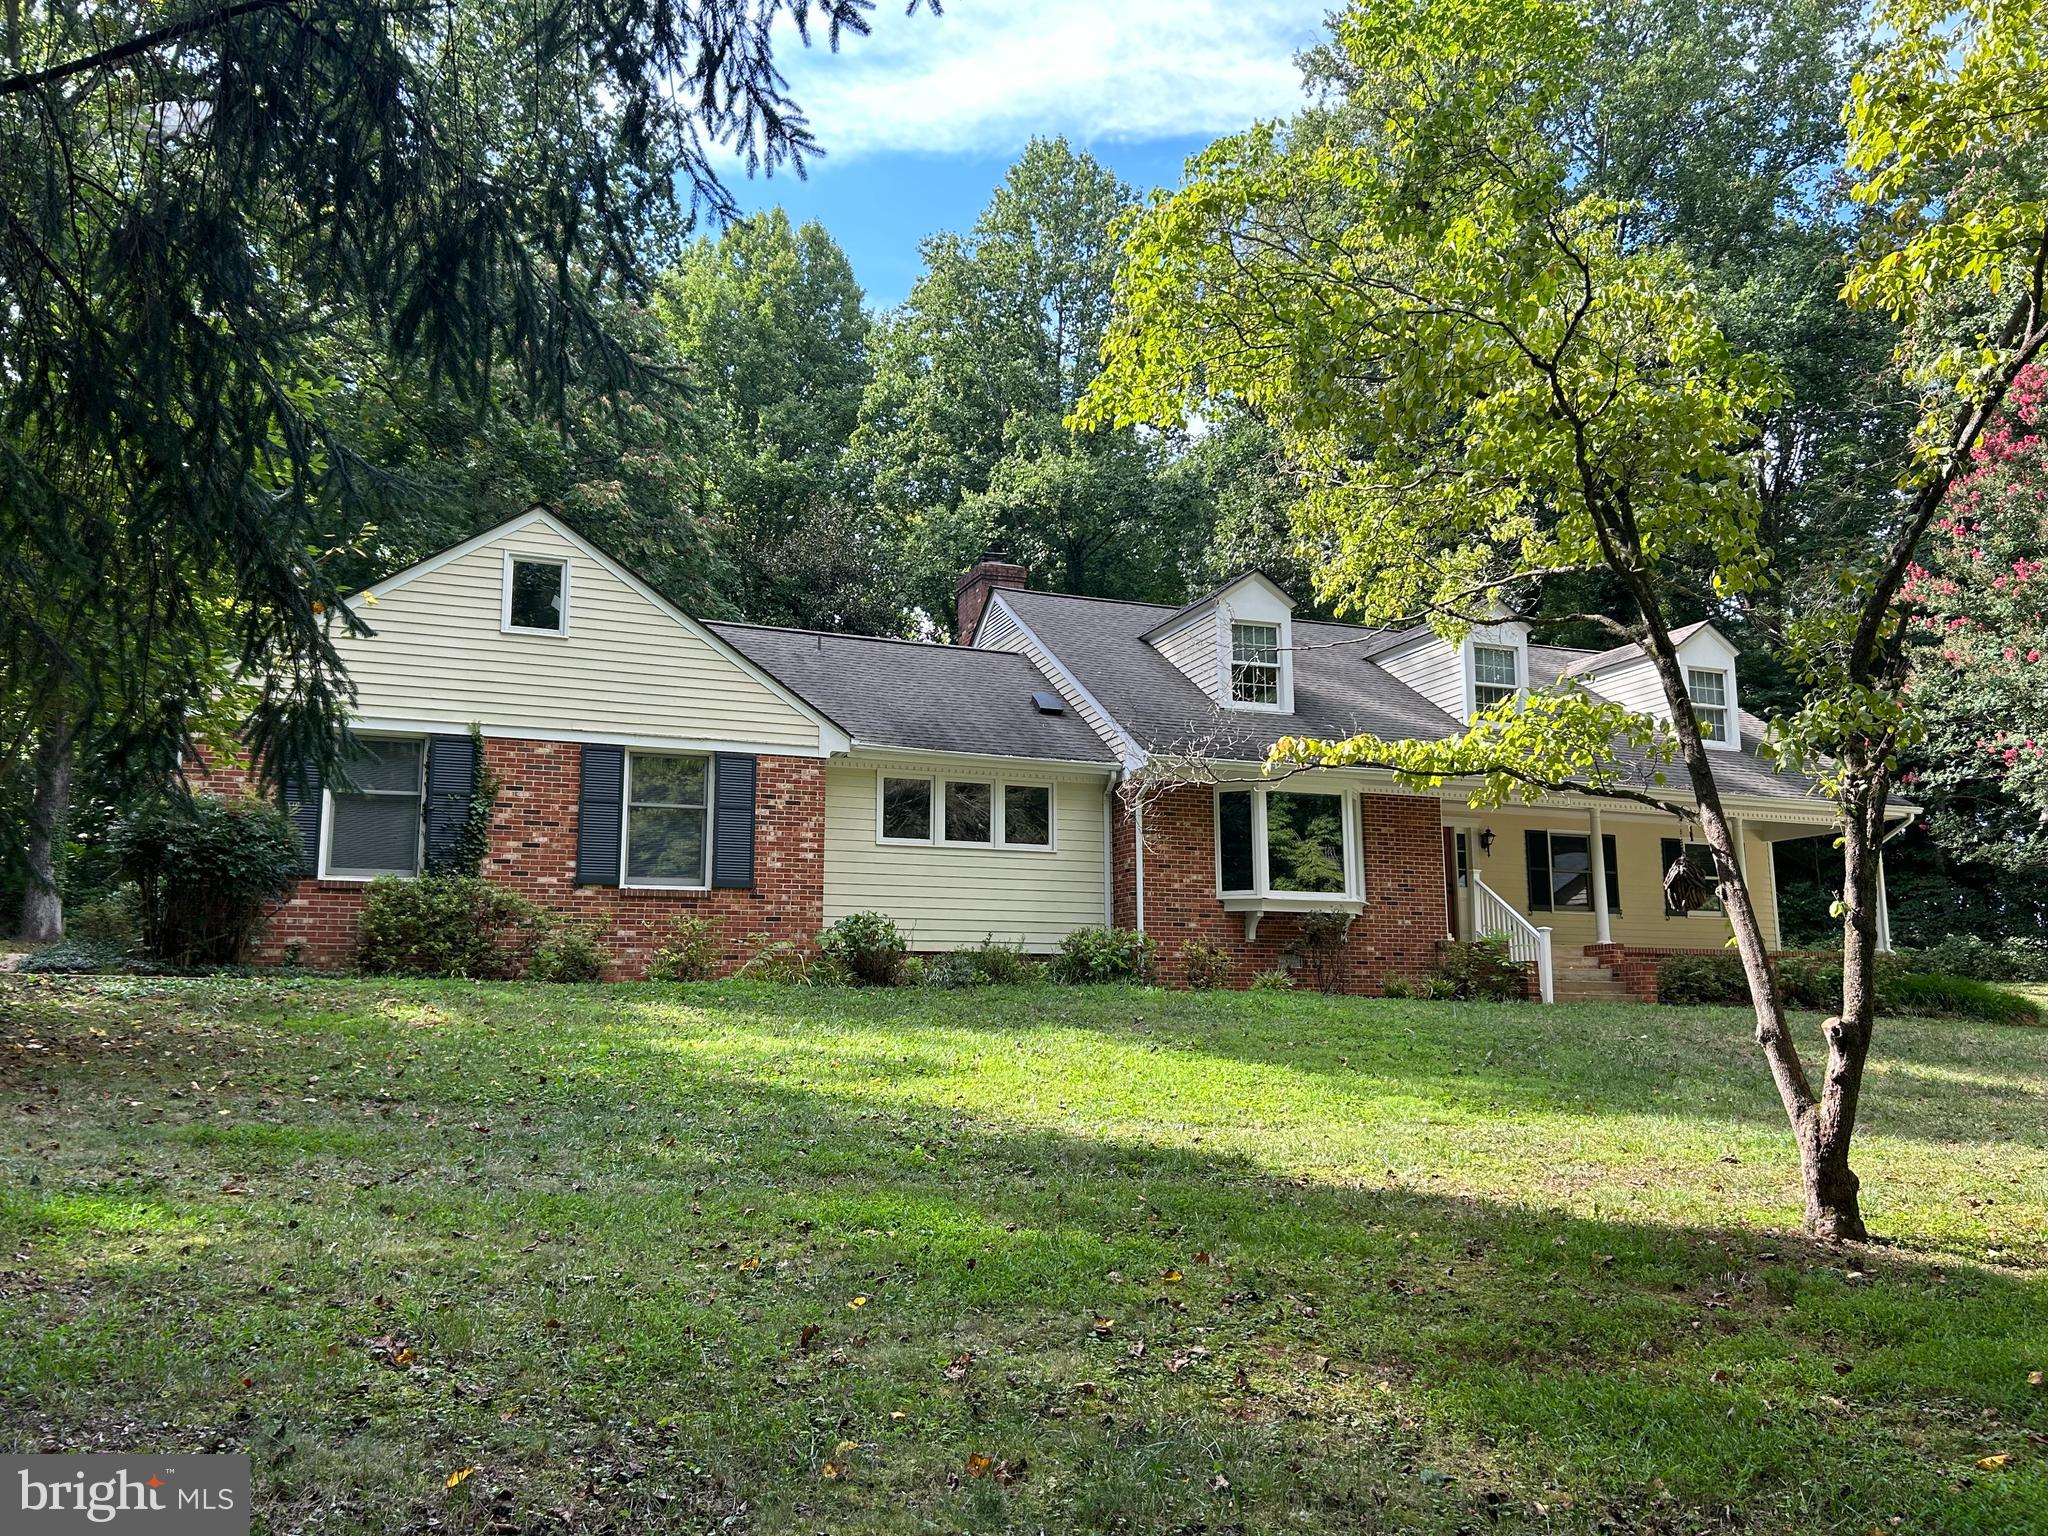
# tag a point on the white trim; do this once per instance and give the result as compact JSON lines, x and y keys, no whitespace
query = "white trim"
{"x":626,"y":882}
{"x":1109,"y":854}
{"x":419,"y":852}
{"x":676,"y":744}
{"x":1226,"y":662}
{"x":505,"y":624}
{"x":1502,"y":634}
{"x":1055,"y":671}
{"x":999,"y":788}
{"x":831,"y":738}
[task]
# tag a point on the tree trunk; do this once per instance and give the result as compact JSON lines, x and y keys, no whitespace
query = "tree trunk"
{"x":42,"y":907}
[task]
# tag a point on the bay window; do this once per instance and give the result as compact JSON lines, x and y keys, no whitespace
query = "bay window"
{"x":1292,"y":845}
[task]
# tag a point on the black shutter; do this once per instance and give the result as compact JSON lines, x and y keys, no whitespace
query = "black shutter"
{"x":1613,"y":871}
{"x":732,"y":822}
{"x":1671,"y":850}
{"x":302,"y":801}
{"x":598,"y":808}
{"x":451,"y":780}
{"x":1536,"y":851}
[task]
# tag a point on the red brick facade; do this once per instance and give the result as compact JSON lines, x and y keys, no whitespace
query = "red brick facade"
{"x":1396,"y":935}
{"x":533,"y":847}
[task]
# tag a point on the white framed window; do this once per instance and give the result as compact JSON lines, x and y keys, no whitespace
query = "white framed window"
{"x":666,"y":828}
{"x":938,"y":811}
{"x":1278,"y":841}
{"x":536,"y":596}
{"x":1255,"y":664}
{"x":1709,"y":689}
{"x":1496,"y":674}
{"x":376,"y":822}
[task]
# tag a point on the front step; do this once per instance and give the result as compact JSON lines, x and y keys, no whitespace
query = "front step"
{"x":1585,"y":980}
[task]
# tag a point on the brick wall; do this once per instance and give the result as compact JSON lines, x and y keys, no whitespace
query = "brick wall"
{"x":1396,"y":935}
{"x":533,"y":849}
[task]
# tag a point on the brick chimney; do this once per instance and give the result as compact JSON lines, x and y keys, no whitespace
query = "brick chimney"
{"x":994,"y":569}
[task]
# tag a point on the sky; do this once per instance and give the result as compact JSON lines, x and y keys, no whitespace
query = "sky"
{"x":920,"y":119}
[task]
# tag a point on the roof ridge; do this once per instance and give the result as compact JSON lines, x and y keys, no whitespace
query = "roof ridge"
{"x":841,"y":634}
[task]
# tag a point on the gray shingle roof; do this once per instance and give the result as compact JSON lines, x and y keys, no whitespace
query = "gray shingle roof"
{"x":902,"y":693}
{"x":1338,"y":690}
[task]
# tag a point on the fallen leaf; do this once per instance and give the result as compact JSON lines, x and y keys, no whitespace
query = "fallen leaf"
{"x":750,"y":1264}
{"x":844,"y":1446}
{"x":1993,"y":1463}
{"x":1219,"y":1484}
{"x":2034,"y":1378}
{"x":832,"y":1471}
{"x":1104,"y":1327}
{"x":856,"y":1304}
{"x":978,"y":1465}
{"x":958,"y":1367}
{"x":807,"y":1337}
{"x":1172,"y":1276}
{"x":459,"y":1475}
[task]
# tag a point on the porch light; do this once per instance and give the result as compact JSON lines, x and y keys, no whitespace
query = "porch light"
{"x":1486,"y":839}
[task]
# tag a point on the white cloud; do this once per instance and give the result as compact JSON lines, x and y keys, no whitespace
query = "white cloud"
{"x":988,"y":74}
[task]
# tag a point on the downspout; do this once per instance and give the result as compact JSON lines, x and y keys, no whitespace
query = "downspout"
{"x":1138,"y":849}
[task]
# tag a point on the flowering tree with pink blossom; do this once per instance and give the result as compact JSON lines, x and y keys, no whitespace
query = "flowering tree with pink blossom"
{"x":1979,"y":628}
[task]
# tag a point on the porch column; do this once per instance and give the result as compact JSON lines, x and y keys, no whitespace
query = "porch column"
{"x":1884,"y":910}
{"x":1603,"y":932}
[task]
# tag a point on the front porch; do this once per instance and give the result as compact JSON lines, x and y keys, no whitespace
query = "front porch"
{"x":1576,"y":887}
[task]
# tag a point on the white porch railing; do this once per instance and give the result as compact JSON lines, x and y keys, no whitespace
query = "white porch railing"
{"x":1493,"y":918}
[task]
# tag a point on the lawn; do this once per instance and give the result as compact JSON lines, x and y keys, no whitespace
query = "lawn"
{"x":748,"y":1259}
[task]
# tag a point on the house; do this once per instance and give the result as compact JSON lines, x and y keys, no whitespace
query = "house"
{"x":1069,"y":762}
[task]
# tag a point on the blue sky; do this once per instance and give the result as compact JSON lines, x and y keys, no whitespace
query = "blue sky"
{"x":920,"y":119}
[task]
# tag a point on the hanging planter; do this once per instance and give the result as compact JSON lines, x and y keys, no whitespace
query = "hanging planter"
{"x":1686,"y":890}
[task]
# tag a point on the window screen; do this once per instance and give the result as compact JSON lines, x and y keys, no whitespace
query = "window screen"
{"x":1234,"y":836}
{"x":1304,"y":842}
{"x":668,"y":827}
{"x":1027,"y":816}
{"x":376,"y":802}
{"x":536,"y":595}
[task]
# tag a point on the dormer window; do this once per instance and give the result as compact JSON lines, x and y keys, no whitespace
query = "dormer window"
{"x":1709,"y":689}
{"x":536,"y":600}
{"x":1255,"y":664}
{"x":1496,"y":674}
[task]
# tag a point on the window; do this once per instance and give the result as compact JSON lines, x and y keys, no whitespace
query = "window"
{"x":1027,"y":816}
{"x":1496,"y":674}
{"x":1305,"y":842}
{"x":375,"y":823}
{"x":1561,"y":871}
{"x":1283,"y":842}
{"x":970,"y":812}
{"x":668,"y":820}
{"x":536,"y":596}
{"x":1701,"y":858}
{"x":1709,"y":690}
{"x":1255,"y":664}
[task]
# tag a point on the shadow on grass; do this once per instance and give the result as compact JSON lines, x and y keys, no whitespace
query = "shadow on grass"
{"x":606,"y":1246}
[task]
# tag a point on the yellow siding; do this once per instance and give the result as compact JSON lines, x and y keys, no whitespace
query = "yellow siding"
{"x":1637,"y":854}
{"x":948,"y":898}
{"x":625,"y":668}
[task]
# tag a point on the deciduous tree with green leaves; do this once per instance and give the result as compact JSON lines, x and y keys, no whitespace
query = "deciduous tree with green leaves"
{"x":1489,"y":383}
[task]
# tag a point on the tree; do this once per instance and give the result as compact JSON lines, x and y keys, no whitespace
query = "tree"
{"x":1491,"y":383}
{"x":191,"y":195}
{"x":771,"y":324}
{"x":963,"y":428}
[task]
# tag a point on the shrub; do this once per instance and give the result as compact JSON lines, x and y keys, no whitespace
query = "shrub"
{"x":1104,"y":954}
{"x":691,"y":953}
{"x":947,"y":971}
{"x":782,"y":961}
{"x":1278,"y":979}
{"x":1208,"y":965}
{"x":1001,"y":965}
{"x":80,"y":955}
{"x":867,"y":947}
{"x":444,"y":925}
{"x":1966,"y":954}
{"x":1319,"y":945}
{"x":203,"y":868}
{"x":1396,"y":987}
{"x":1479,"y":971}
{"x":110,"y":919}
{"x":1702,"y":979}
{"x":569,"y":953}
{"x":1963,"y":996}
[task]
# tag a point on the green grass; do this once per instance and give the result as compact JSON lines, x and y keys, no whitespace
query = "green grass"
{"x":752,"y":1260}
